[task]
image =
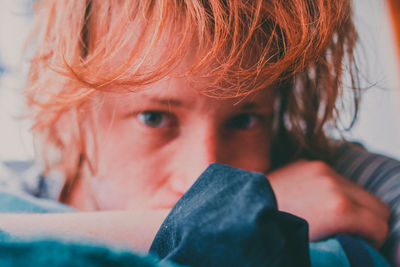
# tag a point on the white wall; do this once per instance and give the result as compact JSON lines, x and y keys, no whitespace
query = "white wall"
{"x":15,"y":140}
{"x":378,"y":126}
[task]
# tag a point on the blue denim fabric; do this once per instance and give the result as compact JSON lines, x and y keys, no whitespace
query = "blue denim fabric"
{"x":229,"y":217}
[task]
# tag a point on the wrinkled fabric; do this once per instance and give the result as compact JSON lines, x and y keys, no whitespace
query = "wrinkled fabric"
{"x":229,"y":217}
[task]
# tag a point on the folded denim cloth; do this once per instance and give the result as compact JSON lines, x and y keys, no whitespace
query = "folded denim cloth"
{"x":229,"y":217}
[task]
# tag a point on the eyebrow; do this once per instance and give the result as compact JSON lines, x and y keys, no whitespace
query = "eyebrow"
{"x":178,"y":103}
{"x":167,"y":101}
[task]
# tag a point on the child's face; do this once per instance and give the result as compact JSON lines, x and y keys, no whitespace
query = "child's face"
{"x":152,"y":145}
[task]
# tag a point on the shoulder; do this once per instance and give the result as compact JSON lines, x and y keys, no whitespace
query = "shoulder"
{"x":23,"y":188}
{"x":26,"y":177}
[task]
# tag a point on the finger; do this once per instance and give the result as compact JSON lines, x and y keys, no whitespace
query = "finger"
{"x":365,"y":223}
{"x":365,"y":198}
{"x":371,"y":202}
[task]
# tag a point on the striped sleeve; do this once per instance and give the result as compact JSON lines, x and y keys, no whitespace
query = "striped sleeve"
{"x":379,"y":175}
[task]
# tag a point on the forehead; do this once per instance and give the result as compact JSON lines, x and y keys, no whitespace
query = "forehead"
{"x":180,"y":92}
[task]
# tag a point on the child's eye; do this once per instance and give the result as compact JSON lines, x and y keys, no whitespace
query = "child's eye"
{"x":243,"y":122}
{"x":156,"y":119}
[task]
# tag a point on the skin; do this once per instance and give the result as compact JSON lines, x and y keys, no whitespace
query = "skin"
{"x":330,"y":203}
{"x":150,"y":146}
{"x":169,"y":133}
{"x":146,"y":162}
{"x":136,"y":230}
{"x":162,"y":138}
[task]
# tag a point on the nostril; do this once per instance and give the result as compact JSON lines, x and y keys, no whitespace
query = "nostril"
{"x":179,"y":185}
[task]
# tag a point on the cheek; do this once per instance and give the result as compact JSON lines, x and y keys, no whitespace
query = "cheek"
{"x":130,"y":176}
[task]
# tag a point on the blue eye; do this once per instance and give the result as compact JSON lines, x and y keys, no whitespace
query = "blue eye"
{"x":154,"y":119}
{"x":243,"y":122}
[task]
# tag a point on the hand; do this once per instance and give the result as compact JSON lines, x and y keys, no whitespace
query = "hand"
{"x":329,"y":202}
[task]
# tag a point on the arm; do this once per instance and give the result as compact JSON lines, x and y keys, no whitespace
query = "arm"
{"x":379,"y":175}
{"x":365,"y":203}
{"x":132,"y":228}
{"x":26,"y":216}
{"x":330,"y":203}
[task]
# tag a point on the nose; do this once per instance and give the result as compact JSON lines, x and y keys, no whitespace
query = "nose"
{"x":197,"y":150}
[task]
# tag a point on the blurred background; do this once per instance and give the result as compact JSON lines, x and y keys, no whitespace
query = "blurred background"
{"x":378,"y":126}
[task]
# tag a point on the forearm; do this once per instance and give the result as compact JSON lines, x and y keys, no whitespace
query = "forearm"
{"x":132,"y":228}
{"x":379,"y":175}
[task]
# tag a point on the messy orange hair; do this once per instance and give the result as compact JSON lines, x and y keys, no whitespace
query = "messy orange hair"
{"x":295,"y":47}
